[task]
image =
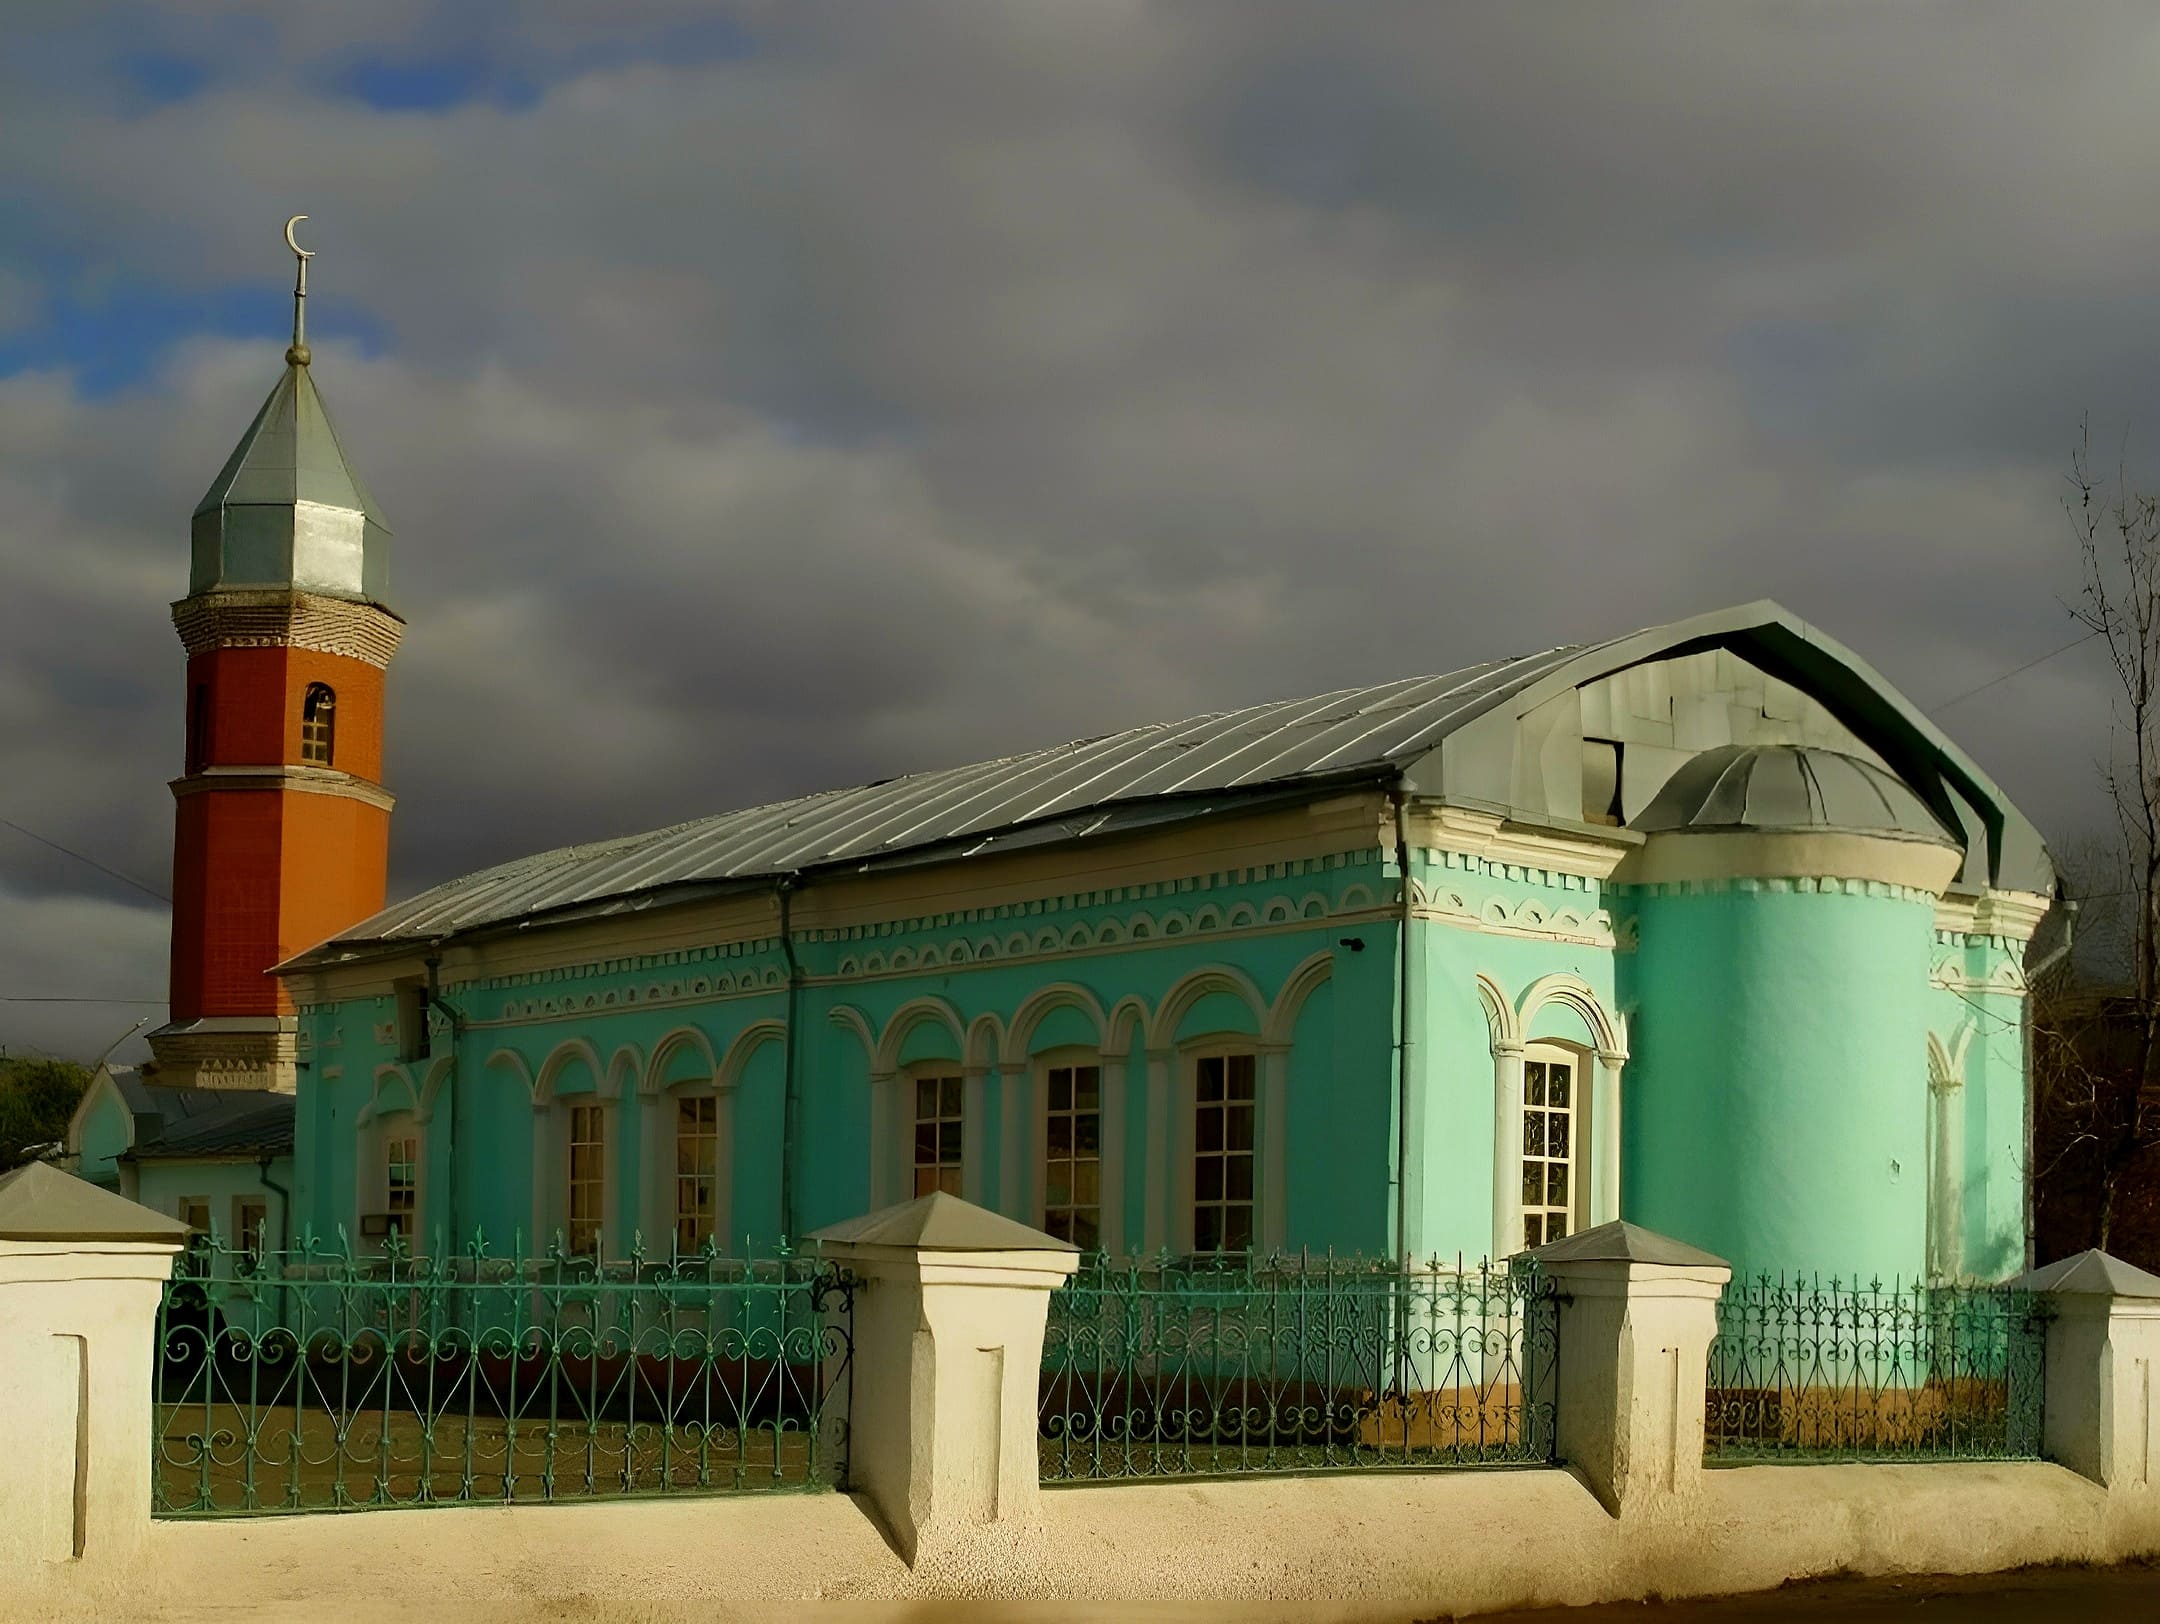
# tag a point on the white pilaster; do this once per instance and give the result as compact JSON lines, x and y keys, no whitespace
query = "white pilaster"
{"x":1507,"y":1231}
{"x":1605,"y":1139}
{"x":1274,"y":1114}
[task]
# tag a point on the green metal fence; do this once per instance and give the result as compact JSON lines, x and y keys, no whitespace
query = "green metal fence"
{"x":1808,"y":1370}
{"x":325,"y":1379}
{"x":1292,"y":1364}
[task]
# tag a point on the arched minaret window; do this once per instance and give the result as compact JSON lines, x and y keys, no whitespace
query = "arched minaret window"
{"x":318,"y":725}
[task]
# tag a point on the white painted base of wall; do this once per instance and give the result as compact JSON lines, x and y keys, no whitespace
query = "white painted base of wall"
{"x":1377,"y":1547}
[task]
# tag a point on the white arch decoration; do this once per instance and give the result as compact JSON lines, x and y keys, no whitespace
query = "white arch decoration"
{"x":511,"y":1061}
{"x":1508,"y":1023}
{"x":728,"y":1074}
{"x":1500,"y":1023}
{"x":377,"y":1107}
{"x":560,"y":1059}
{"x":917,"y":1012}
{"x":850,"y":1019}
{"x":1282,"y":1018}
{"x":1607,"y":1029}
{"x":1178,"y":1002}
{"x":665,"y":1051}
{"x":1042,"y":1002}
{"x":1945,"y":1153}
{"x":438,"y":1073}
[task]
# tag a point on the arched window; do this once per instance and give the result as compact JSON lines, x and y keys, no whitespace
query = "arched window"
{"x":1553,"y":1115}
{"x":318,"y":725}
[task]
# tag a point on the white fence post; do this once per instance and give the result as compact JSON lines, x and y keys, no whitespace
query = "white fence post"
{"x":950,"y":1307}
{"x":2103,"y":1344}
{"x":1637,"y":1315}
{"x":81,"y":1274}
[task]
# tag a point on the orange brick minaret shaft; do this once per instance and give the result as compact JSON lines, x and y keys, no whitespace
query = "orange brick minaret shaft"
{"x":283,"y":827}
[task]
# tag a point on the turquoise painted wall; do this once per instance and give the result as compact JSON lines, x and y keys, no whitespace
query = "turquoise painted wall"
{"x":107,"y":1130}
{"x":162,"y":1186}
{"x":1776,"y":1102}
{"x":480,"y":1137}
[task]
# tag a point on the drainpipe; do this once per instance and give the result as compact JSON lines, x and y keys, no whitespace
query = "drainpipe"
{"x":2032,"y":986}
{"x":456,"y":1017}
{"x":790,"y":1103}
{"x":1404,"y":1042}
{"x":284,"y":1203}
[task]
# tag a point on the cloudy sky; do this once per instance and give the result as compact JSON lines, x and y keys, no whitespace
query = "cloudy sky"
{"x":775,"y":396}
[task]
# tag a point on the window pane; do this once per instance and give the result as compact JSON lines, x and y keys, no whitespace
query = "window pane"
{"x":1061,"y":1088}
{"x":1533,"y":1133}
{"x":1533,"y":1082}
{"x":1241,"y":1076}
{"x":1239,"y":1170}
{"x":926,"y":1180}
{"x":1556,"y":1175}
{"x":1207,"y":1130}
{"x":925,"y":1097}
{"x":1557,"y":1091}
{"x":1207,"y":1229}
{"x":1087,"y":1087}
{"x":1057,"y":1186}
{"x":1555,"y":1225}
{"x":1086,"y":1232}
{"x":1059,"y":1225}
{"x":1060,"y":1135}
{"x":926,"y":1142}
{"x":1208,"y":1179}
{"x":1532,"y":1226}
{"x":1533,"y":1183}
{"x":1238,"y":1127}
{"x":948,"y":1096}
{"x":1556,"y":1136}
{"x":1087,"y":1133}
{"x":1237,"y":1229}
{"x":949,"y":1180}
{"x":948,"y":1143}
{"x":1210,"y":1080}
{"x":1087,"y":1183}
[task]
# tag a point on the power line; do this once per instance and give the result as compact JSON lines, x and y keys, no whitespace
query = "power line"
{"x":69,"y":851}
{"x":28,"y":998}
{"x":1959,"y":699}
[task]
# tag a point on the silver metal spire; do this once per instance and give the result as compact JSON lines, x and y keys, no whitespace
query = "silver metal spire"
{"x":298,"y":355}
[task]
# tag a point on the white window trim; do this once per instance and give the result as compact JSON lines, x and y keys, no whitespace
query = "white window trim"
{"x":371,"y":1188}
{"x":1583,"y":1137}
{"x":1173,"y":1078}
{"x":901,"y":1154}
{"x":551,"y":1174}
{"x":656,"y":1164}
{"x":1108,"y":1185}
{"x":1595,"y":1186}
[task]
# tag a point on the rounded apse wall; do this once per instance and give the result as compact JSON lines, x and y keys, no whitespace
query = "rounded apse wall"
{"x":1775,"y":1104}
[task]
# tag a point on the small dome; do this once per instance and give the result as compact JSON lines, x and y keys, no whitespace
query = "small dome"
{"x":1787,"y":787}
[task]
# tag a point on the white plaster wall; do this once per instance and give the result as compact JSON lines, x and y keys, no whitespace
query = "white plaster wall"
{"x":1381,"y":1547}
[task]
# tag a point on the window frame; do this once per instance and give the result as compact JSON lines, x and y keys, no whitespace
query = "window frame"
{"x":184,"y":1208}
{"x":318,"y":716}
{"x":911,"y":1079}
{"x":1192,"y":1054}
{"x":671,"y":1102}
{"x":1582,"y":1067}
{"x":599,"y":1182}
{"x":1041,"y":1066}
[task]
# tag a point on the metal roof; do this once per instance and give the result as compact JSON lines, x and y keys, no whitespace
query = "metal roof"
{"x":172,"y":1121}
{"x":288,"y":509}
{"x":1789,"y":786}
{"x":1145,"y":774}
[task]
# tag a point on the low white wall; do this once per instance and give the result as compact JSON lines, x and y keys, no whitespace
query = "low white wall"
{"x":1377,"y":1546}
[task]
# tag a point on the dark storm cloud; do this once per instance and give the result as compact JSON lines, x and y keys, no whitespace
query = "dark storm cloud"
{"x":778,"y":396}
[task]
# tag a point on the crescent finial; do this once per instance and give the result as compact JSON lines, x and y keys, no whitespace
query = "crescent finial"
{"x":304,"y":253}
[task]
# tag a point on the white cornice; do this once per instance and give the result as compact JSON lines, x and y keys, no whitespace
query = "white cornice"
{"x":304,"y":780}
{"x":1436,"y":826}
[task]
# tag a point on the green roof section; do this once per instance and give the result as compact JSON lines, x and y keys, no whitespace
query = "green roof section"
{"x":288,"y":509}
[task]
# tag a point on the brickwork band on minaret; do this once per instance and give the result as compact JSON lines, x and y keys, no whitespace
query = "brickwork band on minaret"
{"x":282,"y":827}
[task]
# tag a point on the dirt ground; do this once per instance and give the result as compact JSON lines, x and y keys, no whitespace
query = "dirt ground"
{"x":2025,"y":1596}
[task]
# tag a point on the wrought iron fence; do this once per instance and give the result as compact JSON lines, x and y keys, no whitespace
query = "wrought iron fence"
{"x":1209,"y":1367}
{"x":1807,"y":1370}
{"x":324,"y":1379}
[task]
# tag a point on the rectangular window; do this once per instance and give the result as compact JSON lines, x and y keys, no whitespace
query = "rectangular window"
{"x":697,"y":1169}
{"x":588,"y":1177}
{"x":401,"y":1182}
{"x":937,"y":1135}
{"x":412,"y":1020}
{"x":1223,"y":1154}
{"x":194,"y":1211}
{"x":1548,"y":1161}
{"x":1072,"y":1156}
{"x":250,"y":1215}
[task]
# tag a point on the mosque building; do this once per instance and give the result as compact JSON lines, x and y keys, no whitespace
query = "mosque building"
{"x":1703,"y":926}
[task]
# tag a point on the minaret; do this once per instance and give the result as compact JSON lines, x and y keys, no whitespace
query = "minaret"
{"x":282,"y":831}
